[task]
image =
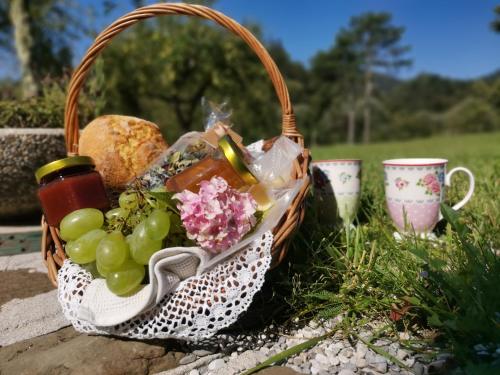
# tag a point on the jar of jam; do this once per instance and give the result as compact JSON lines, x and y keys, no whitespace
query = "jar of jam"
{"x":228,"y":162}
{"x":67,"y":185}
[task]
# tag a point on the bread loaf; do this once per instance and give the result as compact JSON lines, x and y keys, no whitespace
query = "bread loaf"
{"x":122,"y":147}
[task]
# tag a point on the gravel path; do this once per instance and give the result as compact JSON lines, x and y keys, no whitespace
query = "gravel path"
{"x":335,"y":355}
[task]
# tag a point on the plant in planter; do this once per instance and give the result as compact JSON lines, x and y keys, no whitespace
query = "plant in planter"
{"x":31,"y":134}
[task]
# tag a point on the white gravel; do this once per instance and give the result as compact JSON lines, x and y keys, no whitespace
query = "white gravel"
{"x":335,"y":355}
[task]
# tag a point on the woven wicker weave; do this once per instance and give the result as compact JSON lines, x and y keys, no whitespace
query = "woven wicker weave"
{"x":52,"y":247}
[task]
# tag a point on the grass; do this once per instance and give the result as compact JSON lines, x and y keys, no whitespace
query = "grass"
{"x":449,"y":288}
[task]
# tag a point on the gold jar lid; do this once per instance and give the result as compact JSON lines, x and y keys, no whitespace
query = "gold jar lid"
{"x":57,"y":165}
{"x":236,"y":158}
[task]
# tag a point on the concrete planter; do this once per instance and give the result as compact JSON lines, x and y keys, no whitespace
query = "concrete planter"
{"x":22,"y":151}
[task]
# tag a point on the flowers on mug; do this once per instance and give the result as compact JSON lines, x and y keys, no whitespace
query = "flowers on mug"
{"x":400,"y":183}
{"x":344,"y":177}
{"x":431,"y":183}
{"x":441,"y":177}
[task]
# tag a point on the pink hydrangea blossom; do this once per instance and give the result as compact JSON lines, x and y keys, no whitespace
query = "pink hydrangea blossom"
{"x":218,"y":216}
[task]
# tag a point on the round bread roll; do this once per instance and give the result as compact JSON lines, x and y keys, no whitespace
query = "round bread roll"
{"x":122,"y":147}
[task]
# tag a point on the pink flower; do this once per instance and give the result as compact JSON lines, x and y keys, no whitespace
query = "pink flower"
{"x":218,"y":216}
{"x":435,"y":187}
{"x":429,"y":179}
{"x":400,"y":183}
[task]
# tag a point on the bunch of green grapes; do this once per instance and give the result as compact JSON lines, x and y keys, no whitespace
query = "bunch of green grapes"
{"x":119,"y":244}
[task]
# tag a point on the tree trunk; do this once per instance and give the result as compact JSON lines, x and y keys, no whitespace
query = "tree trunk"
{"x":351,"y":126}
{"x":23,"y":44}
{"x":366,"y":108}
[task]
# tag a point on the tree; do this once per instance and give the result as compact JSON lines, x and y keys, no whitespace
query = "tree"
{"x":495,"y":24}
{"x":23,"y":37}
{"x":348,"y":83}
{"x":377,"y":44}
{"x":160,"y":70}
{"x":426,"y":92}
{"x":40,"y":33}
{"x":339,"y":70}
{"x":472,"y":115}
{"x":295,"y":73}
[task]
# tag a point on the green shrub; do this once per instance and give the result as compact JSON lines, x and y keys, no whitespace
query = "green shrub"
{"x":32,"y":113}
{"x":417,"y":124}
{"x":47,"y":110}
{"x":471,"y":115}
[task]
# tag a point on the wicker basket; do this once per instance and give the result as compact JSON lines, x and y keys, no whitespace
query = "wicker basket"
{"x":53,"y":247}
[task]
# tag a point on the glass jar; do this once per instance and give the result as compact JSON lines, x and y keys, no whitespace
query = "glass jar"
{"x":228,"y":162}
{"x":67,"y":185}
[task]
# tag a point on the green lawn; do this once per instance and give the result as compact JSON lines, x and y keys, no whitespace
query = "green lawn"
{"x":451,"y":286}
{"x":456,"y":148}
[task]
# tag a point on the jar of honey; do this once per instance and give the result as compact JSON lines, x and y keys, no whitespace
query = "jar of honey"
{"x":67,"y":185}
{"x":228,"y":162}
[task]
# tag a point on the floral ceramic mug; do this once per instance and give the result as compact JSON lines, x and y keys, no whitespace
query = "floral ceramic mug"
{"x":337,"y":187}
{"x":414,"y":188}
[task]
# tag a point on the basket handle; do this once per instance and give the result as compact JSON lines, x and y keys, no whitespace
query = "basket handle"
{"x":77,"y":79}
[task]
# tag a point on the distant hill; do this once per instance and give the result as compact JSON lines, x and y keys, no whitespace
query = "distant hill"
{"x":491,"y":76}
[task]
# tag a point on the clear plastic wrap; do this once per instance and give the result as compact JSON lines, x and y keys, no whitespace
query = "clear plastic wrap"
{"x":185,"y":152}
{"x":274,"y":167}
{"x":192,"y":147}
{"x":216,"y":113}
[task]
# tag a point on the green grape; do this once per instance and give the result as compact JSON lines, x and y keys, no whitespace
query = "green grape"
{"x":103,"y":271}
{"x":157,"y":225}
{"x":79,"y":222}
{"x":129,"y":239}
{"x":92,"y":268}
{"x":128,"y":201}
{"x":126,"y":278}
{"x":112,"y":251}
{"x":142,"y":246}
{"x":83,"y":250}
{"x":117,"y":214}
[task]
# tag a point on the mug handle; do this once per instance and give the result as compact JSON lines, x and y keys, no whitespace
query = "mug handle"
{"x":472,"y":184}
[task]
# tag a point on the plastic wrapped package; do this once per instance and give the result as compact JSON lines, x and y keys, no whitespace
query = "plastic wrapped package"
{"x":190,"y":148}
{"x":185,"y":152}
{"x":274,"y":167}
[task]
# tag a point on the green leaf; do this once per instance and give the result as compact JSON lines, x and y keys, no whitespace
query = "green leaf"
{"x":280,"y":357}
{"x":452,"y":324}
{"x":420,"y":253}
{"x":166,"y":197}
{"x":453,"y":218}
{"x":324,"y":295}
{"x":412,"y":300}
{"x":434,"y":320}
{"x":330,"y":312}
{"x":437,"y":263}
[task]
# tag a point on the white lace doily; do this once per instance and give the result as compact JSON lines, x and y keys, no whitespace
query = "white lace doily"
{"x":198,"y":308}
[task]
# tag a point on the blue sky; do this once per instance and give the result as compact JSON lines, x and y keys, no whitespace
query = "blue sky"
{"x":448,"y":37}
